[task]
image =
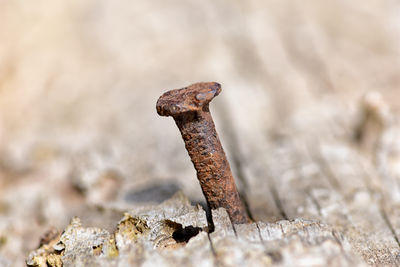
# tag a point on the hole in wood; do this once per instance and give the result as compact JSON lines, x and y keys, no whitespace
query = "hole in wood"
{"x":180,"y":234}
{"x":183,"y":235}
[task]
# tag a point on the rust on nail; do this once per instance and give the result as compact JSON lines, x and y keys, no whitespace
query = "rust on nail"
{"x":189,"y":107}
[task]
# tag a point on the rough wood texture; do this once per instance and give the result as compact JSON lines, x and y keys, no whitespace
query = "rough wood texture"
{"x":316,"y":157}
{"x":320,"y":193}
{"x":165,"y":235}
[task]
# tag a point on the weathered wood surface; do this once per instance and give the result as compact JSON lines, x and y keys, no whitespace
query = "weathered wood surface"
{"x":150,"y":237}
{"x":325,"y":203}
{"x":319,"y":198}
{"x":79,"y":135}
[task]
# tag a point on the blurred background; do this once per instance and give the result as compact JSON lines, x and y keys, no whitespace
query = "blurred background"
{"x":79,"y":80}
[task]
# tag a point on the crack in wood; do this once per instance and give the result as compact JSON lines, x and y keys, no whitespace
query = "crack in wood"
{"x":277,"y":200}
{"x":211,"y":246}
{"x":378,"y":255}
{"x":259,"y":233}
{"x":389,"y":225}
{"x":379,"y":203}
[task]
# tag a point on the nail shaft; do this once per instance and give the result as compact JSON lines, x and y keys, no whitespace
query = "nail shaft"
{"x":190,"y":109}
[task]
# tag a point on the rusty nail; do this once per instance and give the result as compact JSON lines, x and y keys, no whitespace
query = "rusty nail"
{"x":189,"y":107}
